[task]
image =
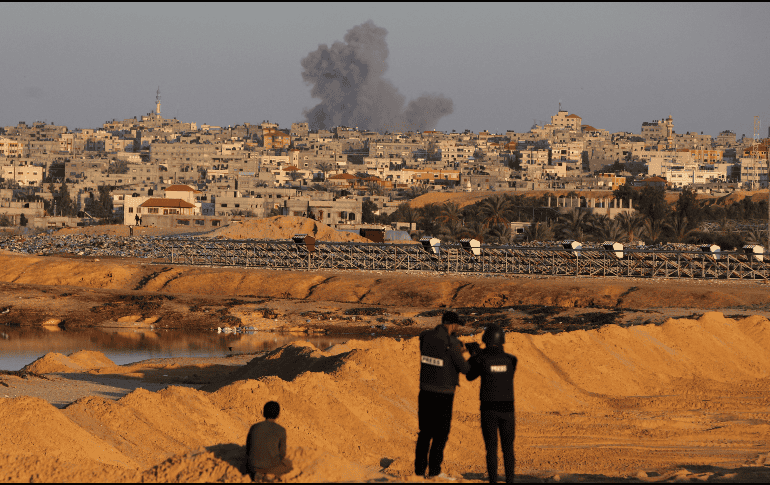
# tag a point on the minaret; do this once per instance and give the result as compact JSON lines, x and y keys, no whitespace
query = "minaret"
{"x":157,"y":102}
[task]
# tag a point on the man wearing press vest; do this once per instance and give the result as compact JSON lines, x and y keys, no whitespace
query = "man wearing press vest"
{"x":441,"y":359}
{"x":496,"y":369}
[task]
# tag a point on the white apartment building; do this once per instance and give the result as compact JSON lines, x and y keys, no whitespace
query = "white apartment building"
{"x":566,"y":151}
{"x":185,"y":193}
{"x":24,"y":174}
{"x":455,"y":152}
{"x":660,"y":161}
{"x":683,"y":175}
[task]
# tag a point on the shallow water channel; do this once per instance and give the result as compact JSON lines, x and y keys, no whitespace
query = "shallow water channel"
{"x":20,"y":346}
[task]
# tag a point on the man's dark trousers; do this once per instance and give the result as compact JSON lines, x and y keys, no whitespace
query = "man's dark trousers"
{"x":434,"y":414}
{"x":491,"y":421}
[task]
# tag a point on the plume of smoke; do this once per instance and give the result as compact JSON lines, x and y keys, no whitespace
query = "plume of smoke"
{"x":348,"y":79}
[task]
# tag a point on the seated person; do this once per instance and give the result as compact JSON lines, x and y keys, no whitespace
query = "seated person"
{"x":266,"y":444}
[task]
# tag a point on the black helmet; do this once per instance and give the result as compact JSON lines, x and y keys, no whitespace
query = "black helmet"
{"x":493,"y":336}
{"x":451,"y":318}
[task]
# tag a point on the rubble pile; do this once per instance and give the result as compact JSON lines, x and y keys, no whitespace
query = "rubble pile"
{"x":84,"y":245}
{"x":106,"y":245}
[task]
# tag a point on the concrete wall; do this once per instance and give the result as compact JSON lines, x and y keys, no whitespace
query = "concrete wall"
{"x":192,"y":223}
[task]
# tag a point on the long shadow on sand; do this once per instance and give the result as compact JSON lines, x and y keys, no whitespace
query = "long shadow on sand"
{"x":232,"y":453}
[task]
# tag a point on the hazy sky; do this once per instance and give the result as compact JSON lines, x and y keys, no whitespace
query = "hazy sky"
{"x":503,"y":65}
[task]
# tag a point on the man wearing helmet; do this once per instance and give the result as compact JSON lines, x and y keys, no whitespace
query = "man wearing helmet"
{"x":441,"y":359}
{"x":496,"y":369}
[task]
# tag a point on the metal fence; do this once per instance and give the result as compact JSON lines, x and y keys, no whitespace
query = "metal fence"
{"x":456,"y":258}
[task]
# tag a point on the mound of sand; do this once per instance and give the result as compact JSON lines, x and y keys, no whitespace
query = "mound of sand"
{"x":612,"y":402}
{"x":283,"y":227}
{"x":54,"y":362}
{"x":90,"y":359}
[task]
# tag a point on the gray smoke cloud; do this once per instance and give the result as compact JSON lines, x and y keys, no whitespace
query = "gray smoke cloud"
{"x":348,"y":78}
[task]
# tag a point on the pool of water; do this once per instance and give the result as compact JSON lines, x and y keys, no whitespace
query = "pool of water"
{"x":20,"y":346}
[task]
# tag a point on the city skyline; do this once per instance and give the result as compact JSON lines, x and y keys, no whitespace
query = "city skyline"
{"x":505,"y":67}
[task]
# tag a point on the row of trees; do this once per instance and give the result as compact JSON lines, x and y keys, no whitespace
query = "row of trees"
{"x":97,"y":205}
{"x":654,"y":221}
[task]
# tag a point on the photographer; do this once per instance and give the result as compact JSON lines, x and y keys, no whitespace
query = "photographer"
{"x":441,"y":361}
{"x":496,"y":369}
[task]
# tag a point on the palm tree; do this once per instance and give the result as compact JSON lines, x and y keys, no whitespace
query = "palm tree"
{"x":539,"y":231}
{"x":653,"y":230}
{"x":429,"y":215}
{"x":630,"y":223}
{"x":573,"y":224}
{"x":501,"y":234}
{"x":608,"y":230}
{"x":679,"y":231}
{"x":416,"y":190}
{"x":496,"y":210}
{"x":407,"y":212}
{"x":453,"y":231}
{"x":325,"y":167}
{"x":477,"y":230}
{"x":450,"y":212}
{"x":471,"y":212}
{"x":756,"y":235}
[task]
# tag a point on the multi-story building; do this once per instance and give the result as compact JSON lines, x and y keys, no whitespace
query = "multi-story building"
{"x":706,"y":155}
{"x":658,"y":162}
{"x":691,"y":140}
{"x":658,"y":130}
{"x":273,"y":139}
{"x":233,"y":202}
{"x":452,"y":152}
{"x":726,"y":138}
{"x":564,"y":120}
{"x":300,"y":129}
{"x":183,"y":153}
{"x":11,"y":148}
{"x":683,"y":175}
{"x":533,"y":157}
{"x":177,"y":199}
{"x":382,"y":149}
{"x":23,"y":174}
{"x":566,"y":151}
{"x":85,"y":168}
{"x":753,"y":172}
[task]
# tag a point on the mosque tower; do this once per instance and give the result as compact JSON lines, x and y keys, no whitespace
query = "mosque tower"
{"x":157,"y":102}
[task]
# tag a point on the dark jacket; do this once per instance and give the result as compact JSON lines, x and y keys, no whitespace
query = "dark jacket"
{"x":496,"y":369}
{"x":441,"y":359}
{"x":265,"y":445}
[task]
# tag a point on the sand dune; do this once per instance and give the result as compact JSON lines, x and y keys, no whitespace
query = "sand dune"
{"x":615,"y":402}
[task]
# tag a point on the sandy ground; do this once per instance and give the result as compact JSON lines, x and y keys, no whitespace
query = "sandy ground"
{"x":610,"y":387}
{"x":686,"y":400}
{"x":80,"y":291}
